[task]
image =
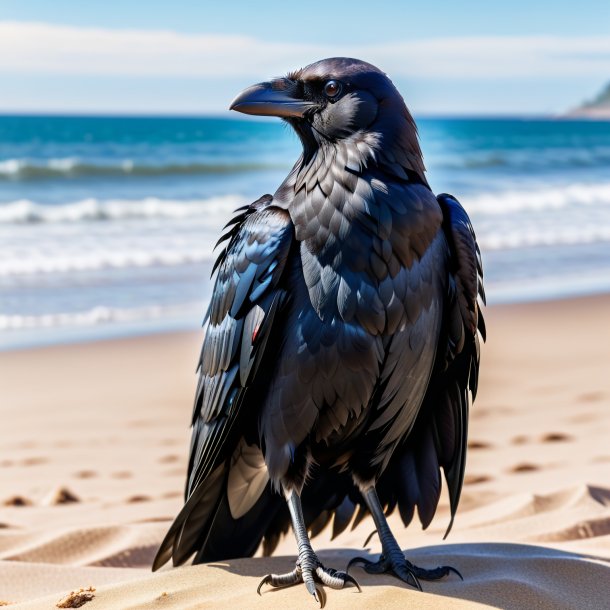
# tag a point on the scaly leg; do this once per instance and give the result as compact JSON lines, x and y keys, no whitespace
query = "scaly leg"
{"x":309,"y":570}
{"x":392,"y":559}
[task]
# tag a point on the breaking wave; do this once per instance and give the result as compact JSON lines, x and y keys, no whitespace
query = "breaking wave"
{"x":95,"y":316}
{"x":550,"y":198}
{"x":530,"y":238}
{"x":92,"y":209}
{"x":24,"y":169}
{"x":527,"y":160}
{"x":103,"y":259}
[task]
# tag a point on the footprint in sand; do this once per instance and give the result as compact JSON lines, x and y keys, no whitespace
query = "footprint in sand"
{"x":556,"y":437}
{"x":475,"y":479}
{"x":33,"y":461}
{"x":85,"y":474}
{"x":61,"y":495}
{"x":524,"y":467}
{"x":520,"y":440}
{"x":17,"y":501}
{"x":138,"y":498}
{"x":169,"y":459}
{"x":479,"y":445}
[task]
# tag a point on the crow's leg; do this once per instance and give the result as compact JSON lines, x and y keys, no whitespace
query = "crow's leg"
{"x":392,"y":559}
{"x":309,"y":570}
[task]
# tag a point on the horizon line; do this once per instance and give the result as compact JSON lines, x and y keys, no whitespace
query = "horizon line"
{"x":220,"y":114}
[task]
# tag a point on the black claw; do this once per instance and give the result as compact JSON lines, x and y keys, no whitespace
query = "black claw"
{"x":435,"y":574}
{"x":265,"y":580}
{"x":363,"y":560}
{"x":322,"y":596}
{"x":314,"y":585}
{"x":407,"y":572}
{"x":351,"y":579}
{"x":415,"y":580}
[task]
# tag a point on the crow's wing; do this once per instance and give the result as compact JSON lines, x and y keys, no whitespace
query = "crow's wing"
{"x":454,"y":386}
{"x":245,"y":302}
{"x":439,"y":436}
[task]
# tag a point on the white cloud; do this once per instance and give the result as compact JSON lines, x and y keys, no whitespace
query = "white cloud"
{"x":37,"y":48}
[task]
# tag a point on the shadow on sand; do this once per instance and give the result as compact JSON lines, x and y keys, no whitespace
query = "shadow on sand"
{"x":500,"y":575}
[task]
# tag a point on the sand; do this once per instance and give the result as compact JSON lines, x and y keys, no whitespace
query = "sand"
{"x":93,"y":449}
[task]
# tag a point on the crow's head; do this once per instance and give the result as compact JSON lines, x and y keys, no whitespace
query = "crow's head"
{"x":339,"y":99}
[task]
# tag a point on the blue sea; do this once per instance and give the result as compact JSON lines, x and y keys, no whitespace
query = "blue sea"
{"x":107,"y":225}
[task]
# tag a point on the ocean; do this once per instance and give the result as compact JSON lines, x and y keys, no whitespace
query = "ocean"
{"x":107,"y":225}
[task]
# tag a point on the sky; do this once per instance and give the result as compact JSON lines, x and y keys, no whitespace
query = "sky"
{"x":187,"y":57}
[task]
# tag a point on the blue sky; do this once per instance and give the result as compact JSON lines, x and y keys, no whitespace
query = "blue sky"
{"x":192,"y":57}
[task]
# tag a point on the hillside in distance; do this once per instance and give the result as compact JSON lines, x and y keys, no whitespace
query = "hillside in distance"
{"x":597,"y":108}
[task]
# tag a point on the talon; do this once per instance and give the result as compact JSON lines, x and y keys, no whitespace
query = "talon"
{"x":351,"y":579}
{"x":266,"y":580}
{"x":322,"y":596}
{"x":435,"y":574}
{"x":414,"y":580}
{"x":363,"y":560}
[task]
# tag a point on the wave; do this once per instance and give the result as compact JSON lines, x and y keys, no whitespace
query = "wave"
{"x":533,"y":238}
{"x":92,"y":209}
{"x":24,"y":169}
{"x":527,"y":159}
{"x":102,"y":260}
{"x":96,"y":316}
{"x":551,"y":198}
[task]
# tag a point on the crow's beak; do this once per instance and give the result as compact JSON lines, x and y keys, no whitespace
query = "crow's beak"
{"x":271,"y":99}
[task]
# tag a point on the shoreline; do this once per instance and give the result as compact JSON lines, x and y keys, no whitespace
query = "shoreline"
{"x":57,"y":337}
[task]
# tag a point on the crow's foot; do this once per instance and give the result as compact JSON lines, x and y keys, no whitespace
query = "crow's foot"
{"x":397,"y":565}
{"x":313,"y":574}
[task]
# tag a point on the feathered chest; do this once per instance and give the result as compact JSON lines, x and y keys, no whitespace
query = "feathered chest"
{"x":370,"y":248}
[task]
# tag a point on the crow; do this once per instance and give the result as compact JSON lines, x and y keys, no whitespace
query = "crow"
{"x":341,"y":349}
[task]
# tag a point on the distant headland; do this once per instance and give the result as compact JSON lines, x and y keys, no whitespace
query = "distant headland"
{"x":597,"y":108}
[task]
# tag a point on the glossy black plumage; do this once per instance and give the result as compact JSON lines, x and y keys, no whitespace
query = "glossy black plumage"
{"x":341,"y":341}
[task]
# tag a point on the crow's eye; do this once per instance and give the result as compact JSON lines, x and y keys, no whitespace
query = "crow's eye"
{"x":332,"y":88}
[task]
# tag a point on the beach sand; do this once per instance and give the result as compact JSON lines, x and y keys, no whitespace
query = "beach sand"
{"x":93,"y":449}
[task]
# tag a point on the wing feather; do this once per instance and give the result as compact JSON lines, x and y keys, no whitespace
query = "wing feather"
{"x":440,"y":433}
{"x":246,"y":299}
{"x":454,"y":386}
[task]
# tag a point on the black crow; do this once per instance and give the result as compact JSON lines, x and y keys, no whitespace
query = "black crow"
{"x":341,"y":346}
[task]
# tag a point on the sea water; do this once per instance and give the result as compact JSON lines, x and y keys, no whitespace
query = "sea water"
{"x":107,"y":224}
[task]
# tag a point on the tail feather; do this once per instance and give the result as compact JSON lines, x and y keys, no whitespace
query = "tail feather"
{"x":181,"y":540}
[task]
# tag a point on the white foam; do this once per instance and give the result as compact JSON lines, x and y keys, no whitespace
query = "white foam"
{"x":11,"y":167}
{"x":99,"y":260}
{"x":530,"y":237}
{"x":551,"y":198}
{"x":92,"y":209}
{"x":96,"y":316}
